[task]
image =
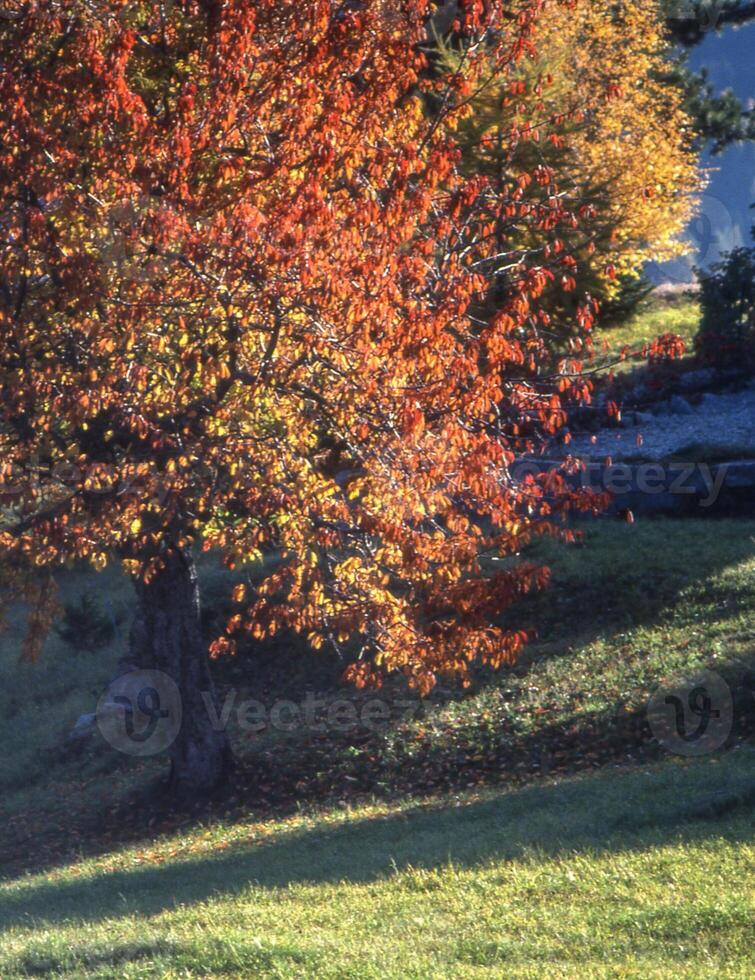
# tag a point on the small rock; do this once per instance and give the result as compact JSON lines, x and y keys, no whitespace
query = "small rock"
{"x":735,"y":376}
{"x":84,"y":728}
{"x":662,"y":408}
{"x":680,"y":406}
{"x":697,"y":380}
{"x":631,"y":419}
{"x":715,"y":805}
{"x":740,"y":475}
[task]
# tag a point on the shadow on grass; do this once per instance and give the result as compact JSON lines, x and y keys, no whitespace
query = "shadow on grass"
{"x":614,"y":811}
{"x":276,"y":959}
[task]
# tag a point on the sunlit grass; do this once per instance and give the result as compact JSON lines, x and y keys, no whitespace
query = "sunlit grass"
{"x":681,"y":317}
{"x":604,"y":876}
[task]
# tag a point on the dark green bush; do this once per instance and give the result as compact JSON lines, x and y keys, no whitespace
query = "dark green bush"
{"x":86,"y":626}
{"x":727,"y":298}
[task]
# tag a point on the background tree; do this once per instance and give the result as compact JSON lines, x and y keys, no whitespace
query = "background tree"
{"x":726,"y":338}
{"x":240,"y":266}
{"x":626,"y":148}
{"x":720,"y":118}
{"x":689,"y":21}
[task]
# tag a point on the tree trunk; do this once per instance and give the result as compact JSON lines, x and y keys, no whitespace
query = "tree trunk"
{"x":167,"y":637}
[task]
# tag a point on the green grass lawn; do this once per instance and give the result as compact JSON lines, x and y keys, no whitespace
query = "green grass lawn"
{"x":527,"y":827}
{"x":656,"y":318}
{"x":610,"y":875}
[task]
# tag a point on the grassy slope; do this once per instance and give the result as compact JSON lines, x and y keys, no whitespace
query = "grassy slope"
{"x":613,"y":874}
{"x":658,"y":317}
{"x":680,"y":317}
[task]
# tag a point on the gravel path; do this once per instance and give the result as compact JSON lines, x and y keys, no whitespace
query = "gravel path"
{"x":725,"y":420}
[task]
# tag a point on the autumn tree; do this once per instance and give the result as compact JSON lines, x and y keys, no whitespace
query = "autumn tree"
{"x":240,"y":264}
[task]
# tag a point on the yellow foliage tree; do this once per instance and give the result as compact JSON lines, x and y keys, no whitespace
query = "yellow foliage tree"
{"x":627,"y":149}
